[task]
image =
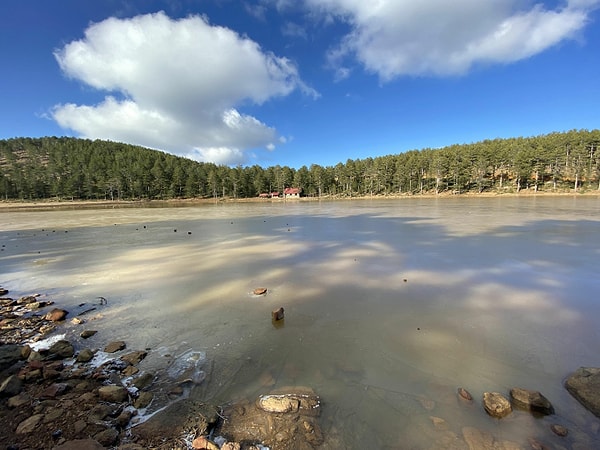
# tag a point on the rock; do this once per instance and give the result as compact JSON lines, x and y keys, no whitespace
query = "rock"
{"x":100,"y":412}
{"x":87,"y":333}
{"x":134,"y":358}
{"x":129,"y":371}
{"x":11,"y":386}
{"x":144,"y":380}
{"x":277,"y":314}
{"x":80,"y":444}
{"x":278,"y":404}
{"x":85,"y":355}
{"x":203,"y":443}
{"x":584,"y":385}
{"x":260,"y":291}
{"x":107,"y":437}
{"x":496,"y":405}
{"x":56,"y":315}
{"x":231,"y":446}
{"x":62,"y":349}
{"x":30,"y":424}
{"x":115,"y":346}
{"x":143,"y":400}
{"x":559,"y":430}
{"x":9,"y":354}
{"x":113,"y":394}
{"x":54,"y":390}
{"x":284,"y":419}
{"x":465,"y":395}
{"x":18,"y":400}
{"x":123,"y":419}
{"x":531,"y":401}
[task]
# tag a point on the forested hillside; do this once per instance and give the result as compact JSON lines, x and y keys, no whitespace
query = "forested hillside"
{"x":71,"y":168}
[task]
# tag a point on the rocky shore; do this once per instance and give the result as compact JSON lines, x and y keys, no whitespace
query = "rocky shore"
{"x":58,"y":393}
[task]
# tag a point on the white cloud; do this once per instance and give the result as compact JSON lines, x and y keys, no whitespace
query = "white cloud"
{"x":180,"y":84}
{"x":438,"y":37}
{"x":294,"y":30}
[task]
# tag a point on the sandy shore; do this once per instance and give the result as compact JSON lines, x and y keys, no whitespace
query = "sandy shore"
{"x":56,"y":203}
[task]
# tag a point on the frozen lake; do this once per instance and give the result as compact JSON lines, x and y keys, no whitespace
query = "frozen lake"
{"x":390,"y":305}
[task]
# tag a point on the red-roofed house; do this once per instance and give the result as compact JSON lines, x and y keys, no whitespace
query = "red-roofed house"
{"x":292,"y":192}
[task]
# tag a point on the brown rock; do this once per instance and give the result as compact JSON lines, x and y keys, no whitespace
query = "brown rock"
{"x":496,"y":405}
{"x":531,"y":401}
{"x":465,"y":395}
{"x":113,"y":394}
{"x":143,"y":400}
{"x":203,"y":443}
{"x":130,"y":370}
{"x":559,"y":430}
{"x":56,"y":315}
{"x":54,"y":390}
{"x":85,"y":355}
{"x":80,"y":444}
{"x":231,"y":446}
{"x":278,"y":403}
{"x":143,"y":380}
{"x":260,"y":291}
{"x":277,"y":314}
{"x":18,"y":400}
{"x":115,"y":346}
{"x":123,"y":419}
{"x":87,"y":333}
{"x":30,"y":424}
{"x":134,"y":358}
{"x":107,"y":437}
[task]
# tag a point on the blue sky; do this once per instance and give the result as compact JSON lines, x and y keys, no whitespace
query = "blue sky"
{"x":297,"y":82}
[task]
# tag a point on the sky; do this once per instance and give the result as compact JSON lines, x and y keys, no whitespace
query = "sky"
{"x":297,"y":82}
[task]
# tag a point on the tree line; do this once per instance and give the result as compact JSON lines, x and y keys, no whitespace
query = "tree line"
{"x":73,"y":168}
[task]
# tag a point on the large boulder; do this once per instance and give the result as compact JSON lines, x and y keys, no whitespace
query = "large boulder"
{"x":584,"y":385}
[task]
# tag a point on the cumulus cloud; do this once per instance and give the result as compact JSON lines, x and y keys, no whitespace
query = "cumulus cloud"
{"x":176,"y":85}
{"x":392,"y":38}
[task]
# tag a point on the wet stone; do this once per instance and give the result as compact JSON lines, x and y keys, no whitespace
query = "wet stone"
{"x":56,"y":315}
{"x":115,"y":346}
{"x":559,"y":430}
{"x":134,"y":358}
{"x":87,"y":333}
{"x":531,"y":401}
{"x":113,"y":394}
{"x":85,"y":355}
{"x":496,"y":405}
{"x":62,"y":349}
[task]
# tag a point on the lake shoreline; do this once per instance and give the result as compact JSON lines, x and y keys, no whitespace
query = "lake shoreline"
{"x":56,"y":203}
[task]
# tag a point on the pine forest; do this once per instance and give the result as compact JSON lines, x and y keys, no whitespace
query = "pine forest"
{"x":66,"y":168}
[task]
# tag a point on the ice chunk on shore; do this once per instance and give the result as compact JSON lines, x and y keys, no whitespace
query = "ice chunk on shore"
{"x":188,"y":365}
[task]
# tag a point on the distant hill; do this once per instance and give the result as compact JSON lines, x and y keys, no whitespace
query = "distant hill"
{"x":72,"y":168}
